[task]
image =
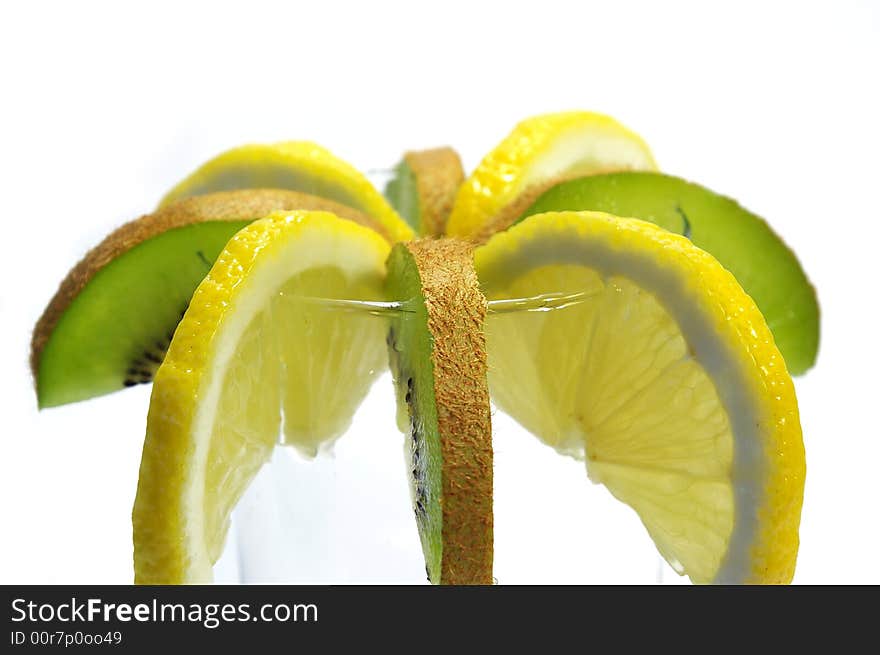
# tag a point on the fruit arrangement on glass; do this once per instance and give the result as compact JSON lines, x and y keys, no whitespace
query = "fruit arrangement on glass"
{"x":630,"y":319}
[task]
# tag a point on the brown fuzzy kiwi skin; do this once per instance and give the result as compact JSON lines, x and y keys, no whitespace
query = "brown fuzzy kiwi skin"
{"x":456,"y":311}
{"x":220,"y":206}
{"x":439,"y":174}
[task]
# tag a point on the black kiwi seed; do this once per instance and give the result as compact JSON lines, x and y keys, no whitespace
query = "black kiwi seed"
{"x":143,"y":368}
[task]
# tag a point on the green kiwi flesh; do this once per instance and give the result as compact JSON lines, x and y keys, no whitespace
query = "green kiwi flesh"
{"x":114,"y":334}
{"x":438,"y":359}
{"x":423,"y":188}
{"x":402,"y":194}
{"x":111,"y":320}
{"x":744,"y":244}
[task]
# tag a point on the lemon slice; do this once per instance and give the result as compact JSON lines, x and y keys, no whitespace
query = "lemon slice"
{"x":539,"y":152}
{"x":252,"y":342}
{"x":660,"y":372}
{"x":296,"y":165}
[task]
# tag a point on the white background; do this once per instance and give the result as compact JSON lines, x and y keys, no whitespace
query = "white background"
{"x":105,"y":107}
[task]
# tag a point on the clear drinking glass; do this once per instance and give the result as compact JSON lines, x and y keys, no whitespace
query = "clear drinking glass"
{"x":345,"y":516}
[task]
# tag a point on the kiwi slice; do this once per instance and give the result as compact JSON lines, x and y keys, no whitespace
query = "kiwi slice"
{"x":423,"y":188}
{"x":744,"y":244}
{"x":112,"y":318}
{"x":437,"y":354}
